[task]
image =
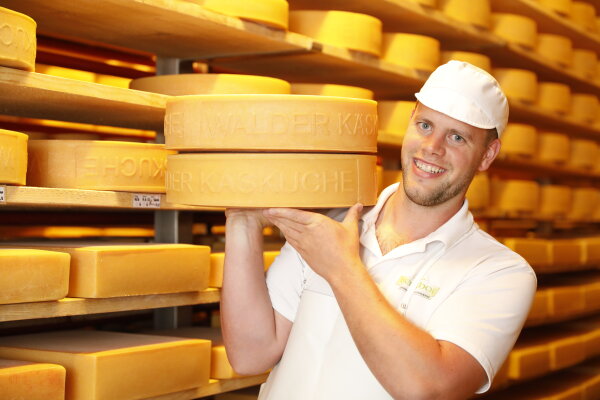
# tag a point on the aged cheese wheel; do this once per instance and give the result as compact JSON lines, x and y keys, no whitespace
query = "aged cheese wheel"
{"x":190,"y":84}
{"x":217,"y":264}
{"x":529,"y":358}
{"x":562,"y":7}
{"x":514,"y":195}
{"x":556,"y":48}
{"x":411,"y":51}
{"x":116,"y":366}
{"x":519,"y":140}
{"x":13,"y":157}
{"x":553,"y":147}
{"x":565,"y":300}
{"x":584,"y":15}
{"x":479,"y":60}
{"x":584,"y":203}
{"x":391,"y":176}
{"x":590,"y":250}
{"x":69,"y":73}
{"x":555,"y":200}
{"x":272,"y":180}
{"x":379,"y":171}
{"x":478,"y":194}
{"x":33,"y":275}
{"x":17,"y":40}
{"x":271,"y":122}
{"x":554,"y":97}
{"x":584,"y":63}
{"x":539,"y":308}
{"x":428,"y":3}
{"x":534,"y":251}
{"x":394,"y":116}
{"x":584,"y":107}
{"x":269,"y":12}
{"x":331,"y":27}
{"x":327,"y":89}
{"x":516,"y":29}
{"x":567,"y":349}
{"x":517,"y":84}
{"x":476,"y":13}
{"x":565,"y":252}
{"x":584,"y":154}
{"x":31,"y":381}
{"x":99,"y":165}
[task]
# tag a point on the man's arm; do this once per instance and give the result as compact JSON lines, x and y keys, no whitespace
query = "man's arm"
{"x":254,"y":333}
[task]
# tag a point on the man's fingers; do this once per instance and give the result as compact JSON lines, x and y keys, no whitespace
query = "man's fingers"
{"x":353,"y":214}
{"x":299,"y":216}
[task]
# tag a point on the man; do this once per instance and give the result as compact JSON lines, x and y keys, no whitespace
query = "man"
{"x":406,"y":300}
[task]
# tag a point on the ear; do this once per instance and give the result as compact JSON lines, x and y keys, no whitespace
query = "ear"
{"x":489,"y":155}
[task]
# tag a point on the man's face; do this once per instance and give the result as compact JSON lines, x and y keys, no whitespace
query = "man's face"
{"x":440,"y":156}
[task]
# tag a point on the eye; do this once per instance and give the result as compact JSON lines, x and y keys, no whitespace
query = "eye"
{"x":425,"y":126}
{"x":457,"y":138}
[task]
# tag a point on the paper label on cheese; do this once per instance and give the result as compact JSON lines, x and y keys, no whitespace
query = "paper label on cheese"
{"x":17,"y":40}
{"x":141,"y":200}
{"x":2,"y":194}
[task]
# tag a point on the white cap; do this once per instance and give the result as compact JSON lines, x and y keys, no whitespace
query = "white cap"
{"x":466,"y":93}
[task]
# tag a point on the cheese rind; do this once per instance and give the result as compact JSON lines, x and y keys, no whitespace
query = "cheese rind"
{"x":517,"y":84}
{"x":394,"y":116}
{"x":584,"y":15}
{"x":478,"y":193}
{"x":514,"y":195}
{"x":515,"y":28}
{"x":584,"y":107}
{"x":553,"y":147}
{"x":519,"y":139}
{"x":555,"y":200}
{"x":217,"y":265}
{"x":554,"y":97}
{"x":585,"y":201}
{"x":13,"y":157}
{"x":479,"y":60}
{"x":477,"y":13}
{"x":272,"y":180}
{"x":562,"y":7}
{"x":327,"y":89}
{"x":534,"y":251}
{"x":17,"y":40}
{"x":31,"y":381}
{"x":556,"y":48}
{"x":411,"y":51}
{"x":269,"y":12}
{"x":98,"y":165}
{"x":584,"y":63}
{"x":271,"y":122}
{"x":584,"y":154}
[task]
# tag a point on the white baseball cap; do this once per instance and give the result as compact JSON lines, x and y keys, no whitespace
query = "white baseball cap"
{"x":466,"y":93}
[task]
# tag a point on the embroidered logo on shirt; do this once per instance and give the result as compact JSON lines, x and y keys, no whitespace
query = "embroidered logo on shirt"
{"x":422,"y":289}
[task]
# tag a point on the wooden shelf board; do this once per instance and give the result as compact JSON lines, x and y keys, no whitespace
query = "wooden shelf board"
{"x":541,"y":169}
{"x":215,"y":386}
{"x":78,"y":306}
{"x":33,"y":95}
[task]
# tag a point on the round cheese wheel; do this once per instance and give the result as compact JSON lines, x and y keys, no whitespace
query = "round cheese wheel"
{"x":190,"y":84}
{"x":517,"y":84}
{"x":326,"y":89}
{"x":17,"y":40}
{"x":272,"y":180}
{"x":379,"y":172}
{"x":271,"y":122}
{"x":584,"y":63}
{"x":515,"y":28}
{"x":13,"y":157}
{"x":391,"y":176}
{"x":70,"y":73}
{"x":110,"y":80}
{"x":394,"y":116}
{"x":555,"y":200}
{"x":584,"y":107}
{"x":584,"y":204}
{"x":562,"y":7}
{"x":477,"y":13}
{"x":514,"y":195}
{"x":584,"y":15}
{"x":478,"y":194}
{"x":479,"y":60}
{"x":97,"y":165}
{"x":332,"y":27}
{"x":553,"y":147}
{"x":269,"y":12}
{"x":411,"y":51}
{"x":519,"y":140}
{"x":554,"y":97}
{"x":556,"y":48}
{"x":584,"y":154}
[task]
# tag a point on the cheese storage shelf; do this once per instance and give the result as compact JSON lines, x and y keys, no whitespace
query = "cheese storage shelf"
{"x":215,"y":386}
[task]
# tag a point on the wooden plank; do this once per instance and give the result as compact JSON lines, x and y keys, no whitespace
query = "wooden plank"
{"x":542,"y":169}
{"x":29,"y":94}
{"x":78,"y":306}
{"x":215,"y":386}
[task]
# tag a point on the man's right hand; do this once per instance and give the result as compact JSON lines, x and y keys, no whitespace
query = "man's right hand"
{"x":249,"y":217}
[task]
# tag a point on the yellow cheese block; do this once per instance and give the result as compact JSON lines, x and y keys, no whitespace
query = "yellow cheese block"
{"x":556,"y":48}
{"x":17,"y":40}
{"x":24,"y":380}
{"x":99,"y":165}
{"x":116,"y":366}
{"x":516,"y":29}
{"x":583,"y":14}
{"x":271,"y":122}
{"x":529,"y":358}
{"x":590,"y":250}
{"x":539,"y":309}
{"x":69,"y":73}
{"x":515,"y":195}
{"x":565,"y":252}
{"x":562,"y":7}
{"x":391,"y":176}
{"x":217,"y":264}
{"x":535,"y":251}
{"x":517,"y":84}
{"x":584,"y":108}
{"x":479,"y":60}
{"x":477,"y":13}
{"x":478,"y":194}
{"x":13,"y":157}
{"x":585,"y":201}
{"x":269,"y":12}
{"x":394,"y":116}
{"x":99,"y":271}
{"x":327,"y":89}
{"x":584,"y":63}
{"x":584,"y":154}
{"x":554,"y":97}
{"x":32,"y":275}
{"x":555,"y":201}
{"x":331,"y":27}
{"x":553,"y":147}
{"x":110,"y":80}
{"x":272,"y":180}
{"x":519,"y":140}
{"x":566,"y":301}
{"x":190,"y":84}
{"x":411,"y":51}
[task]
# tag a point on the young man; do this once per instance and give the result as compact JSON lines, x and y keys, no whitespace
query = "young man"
{"x":406,"y":300}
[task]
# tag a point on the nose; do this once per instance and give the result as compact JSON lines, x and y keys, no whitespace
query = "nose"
{"x":434,"y":144}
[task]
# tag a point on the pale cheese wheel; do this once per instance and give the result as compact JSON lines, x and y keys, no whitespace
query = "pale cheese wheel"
{"x":519,"y":140}
{"x":584,"y":154}
{"x":555,"y":201}
{"x":411,"y":51}
{"x":33,"y":275}
{"x":479,"y":60}
{"x":31,"y":381}
{"x":583,"y":14}
{"x":533,"y":250}
{"x":332,"y":27}
{"x":562,"y":7}
{"x":13,"y":157}
{"x":478,"y":193}
{"x":110,"y":365}
{"x":553,"y":147}
{"x":517,"y":84}
{"x":585,"y":202}
{"x":391,"y":176}
{"x":70,"y":73}
{"x":554,"y":97}
{"x":271,"y":122}
{"x":584,"y":63}
{"x":97,"y":165}
{"x":529,"y":358}
{"x":555,"y":48}
{"x":394,"y":116}
{"x":476,"y":13}
{"x":17,"y":40}
{"x":269,"y":12}
{"x":584,"y":107}
{"x":217,"y":265}
{"x":190,"y":84}
{"x":272,"y":180}
{"x":514,"y":195}
{"x":327,"y":89}
{"x":516,"y":29}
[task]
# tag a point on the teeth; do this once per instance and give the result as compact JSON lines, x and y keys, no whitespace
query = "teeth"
{"x":428,"y":168}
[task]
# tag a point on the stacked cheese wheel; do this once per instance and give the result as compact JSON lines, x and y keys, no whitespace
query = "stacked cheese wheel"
{"x":17,"y":40}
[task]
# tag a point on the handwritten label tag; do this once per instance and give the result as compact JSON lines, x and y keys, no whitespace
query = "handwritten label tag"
{"x":145,"y":200}
{"x":2,"y":194}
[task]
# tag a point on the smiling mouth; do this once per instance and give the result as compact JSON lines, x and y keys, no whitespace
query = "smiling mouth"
{"x":430,"y":169}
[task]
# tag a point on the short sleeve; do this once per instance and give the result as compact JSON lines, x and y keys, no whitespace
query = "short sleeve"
{"x":486,"y":312}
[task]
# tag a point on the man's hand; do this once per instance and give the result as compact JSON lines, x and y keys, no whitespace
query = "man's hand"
{"x":248,"y":217}
{"x":328,"y":246}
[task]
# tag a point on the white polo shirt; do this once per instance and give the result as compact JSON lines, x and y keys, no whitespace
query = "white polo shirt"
{"x":458,"y":283}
